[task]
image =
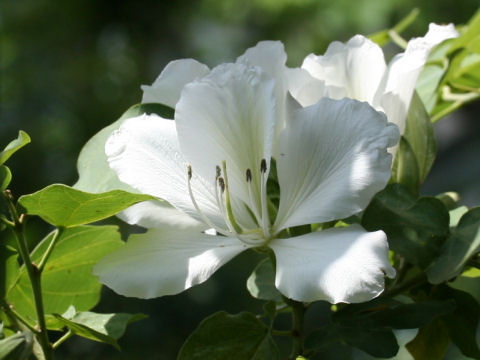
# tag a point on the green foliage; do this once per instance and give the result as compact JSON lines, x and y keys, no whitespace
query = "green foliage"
{"x":9,"y":268}
{"x":224,"y":336}
{"x":5,"y":177}
{"x":431,"y":342}
{"x":63,"y":206}
{"x":416,"y":229}
{"x":17,"y":347}
{"x":383,"y":37}
{"x":462,"y":244}
{"x":105,"y":328}
{"x":67,"y":278}
{"x":261,"y":283}
{"x":95,"y":175}
{"x":15,"y":145}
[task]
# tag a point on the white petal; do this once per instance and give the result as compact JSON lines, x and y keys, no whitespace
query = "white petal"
{"x":332,"y":159}
{"x":401,"y":76}
{"x":165,"y":262}
{"x":145,"y":154}
{"x":157,"y":214}
{"x":228,"y":115}
{"x":338,"y":265}
{"x":356,"y":66}
{"x":167,"y":87}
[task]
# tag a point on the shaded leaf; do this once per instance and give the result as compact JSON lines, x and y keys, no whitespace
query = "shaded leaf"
{"x":261,"y":283}
{"x":9,"y":268}
{"x":63,"y":206}
{"x":461,"y":245}
{"x":17,"y":346}
{"x":236,"y":337}
{"x":15,"y":145}
{"x":416,"y":229}
{"x":430,"y":343}
{"x":405,"y":167}
{"x":67,"y":278}
{"x":95,"y":175}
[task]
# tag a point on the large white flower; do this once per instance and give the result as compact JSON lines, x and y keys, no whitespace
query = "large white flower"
{"x":212,"y":163}
{"x":358,"y":70}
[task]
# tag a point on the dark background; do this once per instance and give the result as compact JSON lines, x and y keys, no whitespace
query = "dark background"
{"x":69,"y":68}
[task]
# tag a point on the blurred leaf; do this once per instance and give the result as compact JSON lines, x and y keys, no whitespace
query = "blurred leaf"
{"x":430,"y":343}
{"x":467,"y":34}
{"x":15,"y":145}
{"x":95,"y":175}
{"x":5,"y":177}
{"x":461,"y":245}
{"x":405,"y":168}
{"x":463,"y":322}
{"x":67,"y":278}
{"x":17,"y":346}
{"x":416,"y":229}
{"x":105,"y":328}
{"x":9,"y":268}
{"x":420,"y":136}
{"x":450,"y":199}
{"x":382,"y":38}
{"x":63,"y":206}
{"x":261,"y":283}
{"x":235,"y":337}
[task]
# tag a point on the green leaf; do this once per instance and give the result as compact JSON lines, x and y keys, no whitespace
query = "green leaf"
{"x":431,"y":342}
{"x":15,"y":145}
{"x":63,"y":206}
{"x":5,"y":177}
{"x":17,"y":346}
{"x":261,"y":283}
{"x":467,"y":34}
{"x":9,"y":268}
{"x":67,"y":278}
{"x":463,"y":322}
{"x":405,"y":167}
{"x":95,"y":175}
{"x":420,"y":136}
{"x":234,"y":337}
{"x":416,"y":229}
{"x":461,"y":245}
{"x":105,"y":328}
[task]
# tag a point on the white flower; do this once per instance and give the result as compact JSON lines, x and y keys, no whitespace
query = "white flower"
{"x":358,"y":70}
{"x":212,"y":163}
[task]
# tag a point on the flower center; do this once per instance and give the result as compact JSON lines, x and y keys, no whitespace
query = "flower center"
{"x":257,"y":236}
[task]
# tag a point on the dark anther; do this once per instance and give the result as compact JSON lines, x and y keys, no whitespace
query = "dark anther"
{"x":221,"y":182}
{"x":189,"y":170}
{"x":249,"y":175}
{"x":219,"y":171}
{"x":263,"y":166}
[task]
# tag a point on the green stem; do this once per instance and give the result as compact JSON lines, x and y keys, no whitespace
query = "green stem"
{"x":33,"y":274}
{"x":416,"y":280}
{"x":49,"y":250}
{"x":64,"y":338}
{"x":298,"y":317}
{"x":15,"y":316}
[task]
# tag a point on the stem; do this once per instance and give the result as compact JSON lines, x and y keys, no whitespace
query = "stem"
{"x":33,"y":274}
{"x":416,"y":280}
{"x":298,"y":316}
{"x":49,"y":250}
{"x":281,"y":332}
{"x":13,"y":315}
{"x":64,"y":338}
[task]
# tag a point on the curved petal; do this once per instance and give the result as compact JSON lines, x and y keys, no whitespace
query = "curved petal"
{"x":338,"y":265}
{"x":332,"y":159}
{"x":157,"y":214}
{"x":165,"y":262}
{"x":145,"y":154}
{"x":356,"y":66}
{"x":167,"y":87}
{"x":229,"y":115}
{"x":402,"y":73}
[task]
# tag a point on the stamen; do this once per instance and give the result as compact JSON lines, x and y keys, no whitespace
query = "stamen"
{"x":263,"y":199}
{"x":200,"y":213}
{"x":228,"y":203}
{"x":219,"y":183}
{"x":218,"y":171}
{"x":253,"y":205}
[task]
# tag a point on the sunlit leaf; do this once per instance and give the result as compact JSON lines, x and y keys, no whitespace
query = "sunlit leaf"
{"x":105,"y":328}
{"x":9,"y":268}
{"x":95,"y":175}
{"x":15,"y":145}
{"x":63,"y":206}
{"x":405,"y":167}
{"x":236,"y":337}
{"x":5,"y":177}
{"x":261,"y":283}
{"x":67,"y":278}
{"x":416,"y":229}
{"x":461,"y":245}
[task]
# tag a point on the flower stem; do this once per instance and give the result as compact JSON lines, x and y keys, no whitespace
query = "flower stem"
{"x":298,"y":317}
{"x":64,"y":338}
{"x":34,"y":274}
